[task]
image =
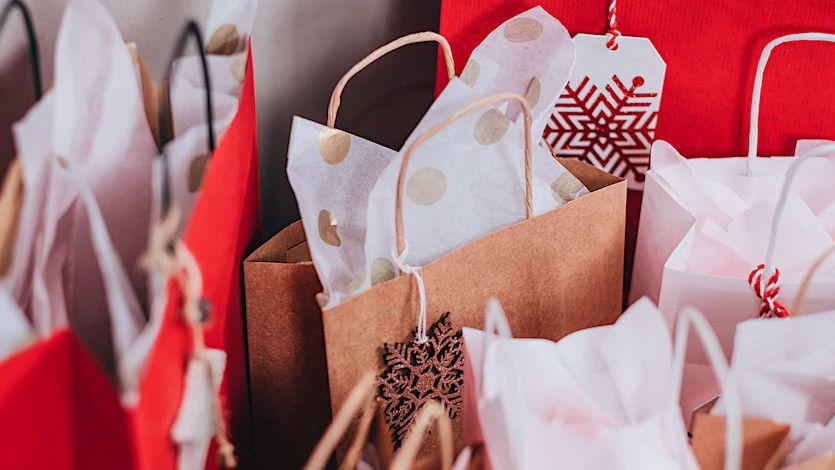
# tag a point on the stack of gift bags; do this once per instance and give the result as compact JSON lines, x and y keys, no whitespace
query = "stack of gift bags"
{"x":369,"y":313}
{"x":125,"y":217}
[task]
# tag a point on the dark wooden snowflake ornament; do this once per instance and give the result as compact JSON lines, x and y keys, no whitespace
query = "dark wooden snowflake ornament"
{"x":417,"y":373}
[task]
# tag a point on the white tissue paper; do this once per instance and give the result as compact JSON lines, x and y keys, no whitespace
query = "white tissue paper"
{"x":785,"y":373}
{"x":466,"y":180}
{"x":601,"y":397}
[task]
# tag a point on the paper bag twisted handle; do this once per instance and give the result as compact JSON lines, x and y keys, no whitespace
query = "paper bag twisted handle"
{"x":753,"y":129}
{"x":414,"y":38}
{"x":401,"y":247}
{"x":431,"y":411}
{"x":768,"y":270}
{"x":361,"y":397}
{"x":32,"y":38}
{"x":730,"y":394}
{"x":482,"y":103}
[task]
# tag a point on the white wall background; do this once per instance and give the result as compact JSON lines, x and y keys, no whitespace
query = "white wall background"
{"x":302,"y":47}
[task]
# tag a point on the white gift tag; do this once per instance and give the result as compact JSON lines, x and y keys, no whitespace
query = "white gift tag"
{"x":607,"y":113}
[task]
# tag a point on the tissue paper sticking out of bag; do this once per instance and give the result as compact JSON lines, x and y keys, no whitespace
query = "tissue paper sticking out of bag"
{"x":227,"y":36}
{"x":531,"y":55}
{"x":733,"y":212}
{"x":92,"y":119}
{"x":785,"y":373}
{"x":601,"y":397}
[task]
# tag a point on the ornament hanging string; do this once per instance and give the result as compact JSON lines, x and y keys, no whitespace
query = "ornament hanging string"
{"x":613,"y":32}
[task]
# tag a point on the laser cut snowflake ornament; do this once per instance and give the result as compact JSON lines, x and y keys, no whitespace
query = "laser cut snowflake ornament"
{"x":417,"y":373}
{"x":608,"y":112}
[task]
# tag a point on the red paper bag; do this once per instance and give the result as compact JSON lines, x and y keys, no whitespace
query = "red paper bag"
{"x":222,"y":224}
{"x":61,"y":410}
{"x":706,"y":93}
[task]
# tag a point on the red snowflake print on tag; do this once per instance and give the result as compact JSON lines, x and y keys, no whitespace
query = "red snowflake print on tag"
{"x":610,"y":127}
{"x":417,"y":373}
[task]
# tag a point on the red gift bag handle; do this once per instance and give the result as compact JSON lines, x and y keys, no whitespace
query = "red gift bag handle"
{"x":34,"y":56}
{"x":753,"y":129}
{"x":415,"y":38}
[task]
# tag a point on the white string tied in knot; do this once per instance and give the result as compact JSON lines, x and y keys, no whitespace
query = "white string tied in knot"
{"x":400,"y":262}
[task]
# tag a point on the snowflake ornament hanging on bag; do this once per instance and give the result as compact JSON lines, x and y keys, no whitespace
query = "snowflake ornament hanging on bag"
{"x":607,"y":114}
{"x":417,"y":373}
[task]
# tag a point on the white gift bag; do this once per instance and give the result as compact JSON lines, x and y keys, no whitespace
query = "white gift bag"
{"x":604,"y":397}
{"x":785,"y":373}
{"x":92,"y":119}
{"x":708,"y":224}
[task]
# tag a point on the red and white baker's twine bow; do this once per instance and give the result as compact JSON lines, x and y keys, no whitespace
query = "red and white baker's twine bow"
{"x":614,"y":32}
{"x":769,"y":307}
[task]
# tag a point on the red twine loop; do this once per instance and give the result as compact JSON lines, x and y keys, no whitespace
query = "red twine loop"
{"x":614,"y":32}
{"x":769,"y":307}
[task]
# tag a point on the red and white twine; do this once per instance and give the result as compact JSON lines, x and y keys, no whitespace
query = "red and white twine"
{"x":769,"y":307}
{"x":613,"y":32}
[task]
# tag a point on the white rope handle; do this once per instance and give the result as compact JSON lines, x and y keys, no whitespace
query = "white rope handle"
{"x":753,"y":129}
{"x":733,"y":416}
{"x":495,"y":323}
{"x":822,"y":151}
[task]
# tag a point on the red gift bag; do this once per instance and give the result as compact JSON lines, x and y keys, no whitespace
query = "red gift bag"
{"x":711,"y":50}
{"x":59,"y":408}
{"x":222,"y":224}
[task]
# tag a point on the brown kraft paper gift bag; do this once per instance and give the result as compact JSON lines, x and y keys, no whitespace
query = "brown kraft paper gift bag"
{"x":555,"y":273}
{"x":288,"y":373}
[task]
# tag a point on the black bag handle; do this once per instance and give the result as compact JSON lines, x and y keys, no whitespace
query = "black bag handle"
{"x":190,"y":31}
{"x":34,"y":57}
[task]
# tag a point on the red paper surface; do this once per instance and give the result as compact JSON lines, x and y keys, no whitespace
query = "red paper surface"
{"x":711,"y":49}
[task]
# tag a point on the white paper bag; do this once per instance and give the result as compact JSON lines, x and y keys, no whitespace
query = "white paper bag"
{"x":604,"y":397}
{"x":93,"y":119}
{"x":785,"y":373}
{"x":706,"y":225}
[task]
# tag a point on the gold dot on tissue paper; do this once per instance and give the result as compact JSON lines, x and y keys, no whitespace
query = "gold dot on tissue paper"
{"x":470,"y":73}
{"x":334,"y":145}
{"x":532,"y":94}
{"x":491,"y":127}
{"x":224,"y":41}
{"x":196,"y":169}
{"x":426,"y":186}
{"x":565,"y":187}
{"x":522,"y":30}
{"x":381,"y":271}
{"x":322,"y":299}
{"x":352,"y":286}
{"x":238,"y":68}
{"x":327,"y":228}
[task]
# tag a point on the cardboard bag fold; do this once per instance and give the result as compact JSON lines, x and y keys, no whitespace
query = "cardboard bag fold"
{"x":763,"y":442}
{"x":604,"y":397}
{"x":708,"y":236}
{"x":416,"y":316}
